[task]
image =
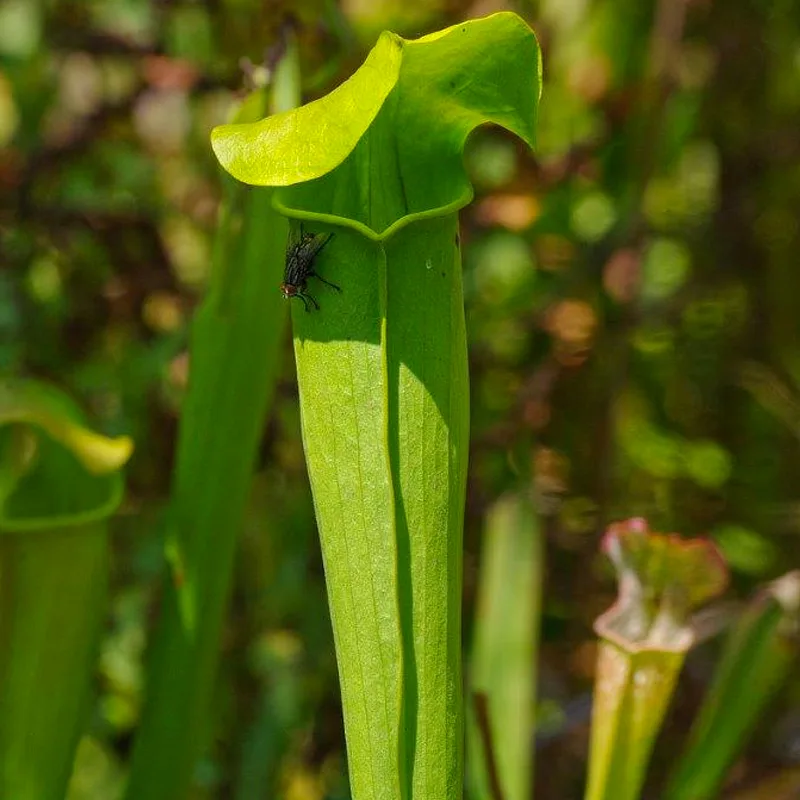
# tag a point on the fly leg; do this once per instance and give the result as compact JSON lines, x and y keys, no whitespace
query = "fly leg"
{"x":328,"y":283}
{"x":304,"y":296}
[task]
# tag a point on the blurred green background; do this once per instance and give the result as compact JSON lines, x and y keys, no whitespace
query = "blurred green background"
{"x":632,"y":296}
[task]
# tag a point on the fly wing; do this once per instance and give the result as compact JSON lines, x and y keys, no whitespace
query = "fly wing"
{"x":297,"y":241}
{"x":309,"y":250}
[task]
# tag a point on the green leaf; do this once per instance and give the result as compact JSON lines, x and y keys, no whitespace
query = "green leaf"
{"x":307,"y":142}
{"x":388,"y":143}
{"x":53,"y":470}
{"x":760,"y":655}
{"x":382,"y":370}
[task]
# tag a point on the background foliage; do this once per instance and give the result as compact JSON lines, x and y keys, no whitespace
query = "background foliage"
{"x":632,"y":300}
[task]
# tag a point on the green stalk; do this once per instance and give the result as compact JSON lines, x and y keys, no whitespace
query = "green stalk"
{"x":384,"y":401}
{"x":428,"y":445}
{"x":53,"y":595}
{"x":760,"y":655}
{"x":59,"y":482}
{"x":504,"y":653}
{"x":235,"y":351}
{"x":632,"y":692}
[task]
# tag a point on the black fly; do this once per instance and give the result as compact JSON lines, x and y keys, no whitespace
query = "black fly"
{"x":300,"y":257}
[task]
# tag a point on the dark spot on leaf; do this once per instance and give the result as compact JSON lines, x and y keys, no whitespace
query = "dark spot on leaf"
{"x":458,"y":239}
{"x":443,"y":274}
